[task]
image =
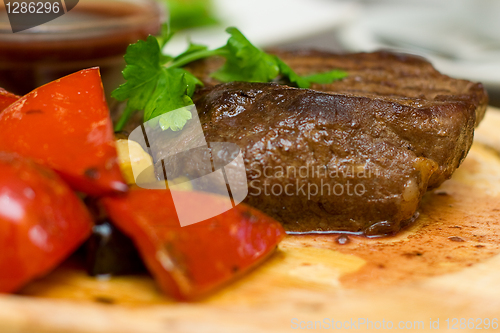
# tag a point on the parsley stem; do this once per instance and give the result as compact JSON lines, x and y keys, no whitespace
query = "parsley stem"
{"x":196,"y":56}
{"x":124,"y":118}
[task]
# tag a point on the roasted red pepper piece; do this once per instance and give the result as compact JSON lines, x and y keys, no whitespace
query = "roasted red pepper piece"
{"x":6,"y":98}
{"x":190,"y":262}
{"x":66,"y":126}
{"x":42,"y":221}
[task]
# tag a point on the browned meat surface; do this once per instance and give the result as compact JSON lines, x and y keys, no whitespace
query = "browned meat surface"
{"x":355,"y":155}
{"x":408,"y":79}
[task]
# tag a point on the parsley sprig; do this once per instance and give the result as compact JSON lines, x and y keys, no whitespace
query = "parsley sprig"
{"x":157,"y":83}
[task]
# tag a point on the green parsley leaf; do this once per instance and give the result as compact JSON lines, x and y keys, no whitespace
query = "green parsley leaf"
{"x":326,"y":78}
{"x":245,"y":62}
{"x":169,"y":93}
{"x":192,"y":49}
{"x":291,"y":75}
{"x":305,"y":81}
{"x":154,"y":88}
{"x":142,"y":71}
{"x":175,"y":120}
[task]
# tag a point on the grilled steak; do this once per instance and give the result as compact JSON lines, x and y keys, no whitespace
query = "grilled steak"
{"x":355,"y":155}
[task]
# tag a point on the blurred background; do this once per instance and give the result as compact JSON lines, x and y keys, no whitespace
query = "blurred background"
{"x":460,"y":37}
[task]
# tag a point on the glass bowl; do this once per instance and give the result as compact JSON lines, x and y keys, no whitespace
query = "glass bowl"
{"x":93,"y":33}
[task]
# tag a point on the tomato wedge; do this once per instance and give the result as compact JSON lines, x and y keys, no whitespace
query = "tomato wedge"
{"x":6,"y":98}
{"x":66,"y":126}
{"x":190,"y":262}
{"x":42,"y":221}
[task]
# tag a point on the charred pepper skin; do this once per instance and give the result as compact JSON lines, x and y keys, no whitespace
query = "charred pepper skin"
{"x":42,"y":221}
{"x":65,"y":125}
{"x":110,"y":252}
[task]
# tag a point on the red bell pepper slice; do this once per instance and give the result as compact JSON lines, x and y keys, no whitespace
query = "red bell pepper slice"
{"x":190,"y":262}
{"x":42,"y":221}
{"x":6,"y":99}
{"x":66,"y":126}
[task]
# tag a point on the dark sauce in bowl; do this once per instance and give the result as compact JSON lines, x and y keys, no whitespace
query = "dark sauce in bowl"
{"x":94,"y":33}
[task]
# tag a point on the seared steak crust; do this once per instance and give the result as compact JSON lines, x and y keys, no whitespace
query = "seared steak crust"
{"x":372,"y":143}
